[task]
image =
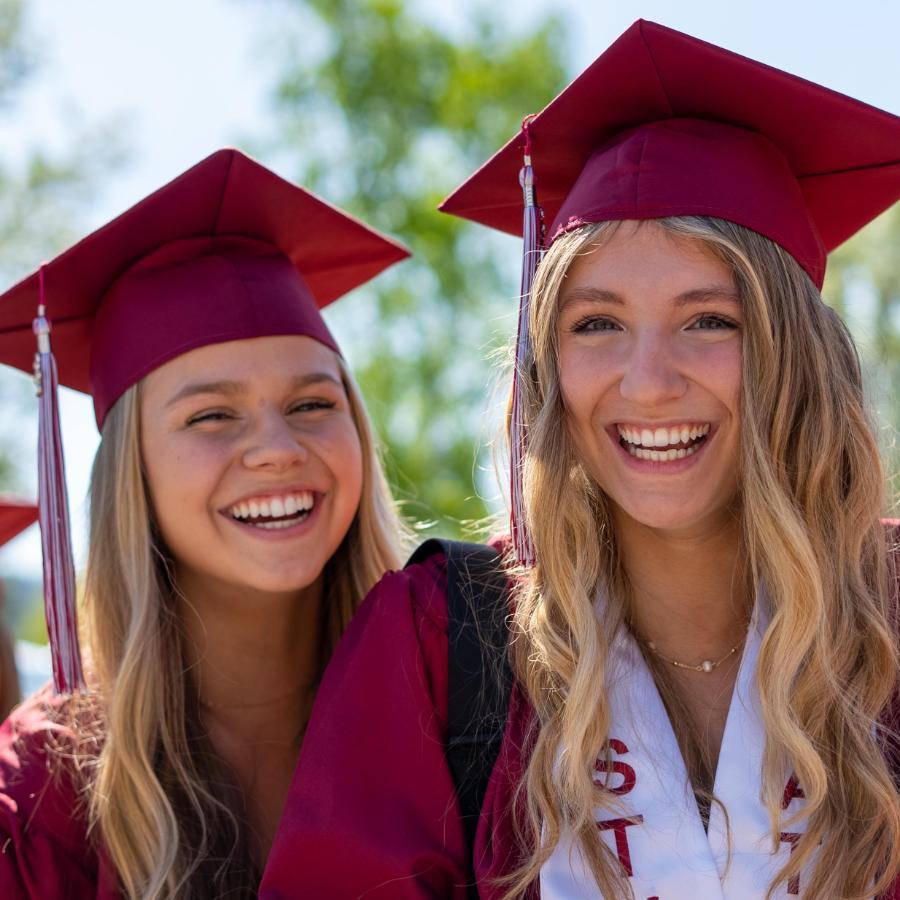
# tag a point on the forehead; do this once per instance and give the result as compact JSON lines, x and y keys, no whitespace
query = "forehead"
{"x":254,"y":359}
{"x":640,"y":259}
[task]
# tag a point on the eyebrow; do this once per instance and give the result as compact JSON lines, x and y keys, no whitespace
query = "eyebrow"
{"x":710,"y":294}
{"x":236,"y":388}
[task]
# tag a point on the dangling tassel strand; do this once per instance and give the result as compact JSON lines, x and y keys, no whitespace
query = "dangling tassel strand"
{"x":531,"y":252}
{"x":56,"y":543}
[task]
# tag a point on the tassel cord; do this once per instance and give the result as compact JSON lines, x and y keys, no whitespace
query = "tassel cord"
{"x":53,"y":505}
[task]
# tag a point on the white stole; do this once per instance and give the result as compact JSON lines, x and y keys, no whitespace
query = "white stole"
{"x":666,"y":851}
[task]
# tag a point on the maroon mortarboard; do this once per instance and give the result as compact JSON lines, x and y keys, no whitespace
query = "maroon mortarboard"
{"x":226,"y":251}
{"x":15,"y":516}
{"x":662,"y":124}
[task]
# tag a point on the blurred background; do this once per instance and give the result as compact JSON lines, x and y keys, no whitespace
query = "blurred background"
{"x":382,"y":107}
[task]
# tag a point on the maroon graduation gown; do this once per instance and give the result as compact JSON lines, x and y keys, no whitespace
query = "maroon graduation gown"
{"x":371,"y":811}
{"x":45,"y":852}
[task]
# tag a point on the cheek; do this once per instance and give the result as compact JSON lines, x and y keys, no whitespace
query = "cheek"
{"x":583,"y":381}
{"x":719,"y":373}
{"x":342,"y":452}
{"x":180,"y":479}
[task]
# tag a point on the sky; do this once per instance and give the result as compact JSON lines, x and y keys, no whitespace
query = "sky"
{"x":185,"y":77}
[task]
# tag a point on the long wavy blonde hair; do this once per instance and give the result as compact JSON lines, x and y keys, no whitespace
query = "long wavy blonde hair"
{"x":811,"y":495}
{"x":165,"y":810}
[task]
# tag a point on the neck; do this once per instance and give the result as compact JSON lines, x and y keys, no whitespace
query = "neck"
{"x":253,"y":656}
{"x":689,"y":590}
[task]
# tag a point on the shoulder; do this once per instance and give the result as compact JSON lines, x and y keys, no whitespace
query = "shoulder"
{"x":419,"y":590}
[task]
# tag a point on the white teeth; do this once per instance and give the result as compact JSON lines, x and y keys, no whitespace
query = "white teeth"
{"x":274,"y":508}
{"x":661,"y":437}
{"x":659,"y":455}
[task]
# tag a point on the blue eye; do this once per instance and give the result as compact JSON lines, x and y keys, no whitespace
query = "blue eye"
{"x":594,"y":325}
{"x":714,"y":323}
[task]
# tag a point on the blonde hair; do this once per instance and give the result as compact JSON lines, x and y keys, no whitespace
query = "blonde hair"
{"x":166,"y":811}
{"x":811,"y":495}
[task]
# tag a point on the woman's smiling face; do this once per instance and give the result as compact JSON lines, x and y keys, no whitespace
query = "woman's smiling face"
{"x":253,"y":461}
{"x":649,"y":335}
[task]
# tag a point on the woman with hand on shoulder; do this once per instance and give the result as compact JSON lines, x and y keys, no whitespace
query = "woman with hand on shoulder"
{"x":238,"y":516}
{"x":704,"y":642}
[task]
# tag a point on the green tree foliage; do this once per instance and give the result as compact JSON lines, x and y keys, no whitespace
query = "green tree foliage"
{"x":863,"y":284}
{"x":383,"y":113}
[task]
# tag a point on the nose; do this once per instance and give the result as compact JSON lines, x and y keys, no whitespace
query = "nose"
{"x":650,"y":376}
{"x":273,"y":445}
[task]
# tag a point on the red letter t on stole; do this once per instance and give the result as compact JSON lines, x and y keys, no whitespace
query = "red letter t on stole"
{"x":618,"y":826}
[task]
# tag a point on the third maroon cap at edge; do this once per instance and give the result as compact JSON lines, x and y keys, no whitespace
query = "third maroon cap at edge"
{"x":663,"y":124}
{"x":15,"y":516}
{"x":226,"y":251}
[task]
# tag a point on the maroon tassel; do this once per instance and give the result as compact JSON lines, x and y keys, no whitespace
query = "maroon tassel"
{"x":531,"y":251}
{"x":53,"y":505}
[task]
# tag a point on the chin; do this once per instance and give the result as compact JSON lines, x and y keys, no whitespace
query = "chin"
{"x":281,"y":585}
{"x":675,"y":517}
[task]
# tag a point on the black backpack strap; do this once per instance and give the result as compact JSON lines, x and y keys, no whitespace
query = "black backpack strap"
{"x":479,"y":676}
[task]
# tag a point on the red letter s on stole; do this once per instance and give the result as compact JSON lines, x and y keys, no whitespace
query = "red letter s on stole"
{"x":629,"y":779}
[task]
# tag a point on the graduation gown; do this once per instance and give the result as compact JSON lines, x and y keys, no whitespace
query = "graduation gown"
{"x":372,"y":811}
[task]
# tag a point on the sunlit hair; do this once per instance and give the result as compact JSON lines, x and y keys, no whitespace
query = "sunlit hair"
{"x":811,"y":495}
{"x":164,"y":808}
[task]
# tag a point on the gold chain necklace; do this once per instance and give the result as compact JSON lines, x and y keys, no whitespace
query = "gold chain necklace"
{"x":707,"y":666}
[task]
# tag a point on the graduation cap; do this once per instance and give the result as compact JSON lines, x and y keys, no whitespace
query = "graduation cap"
{"x":227,"y":251}
{"x":15,"y":516}
{"x":663,"y":124}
